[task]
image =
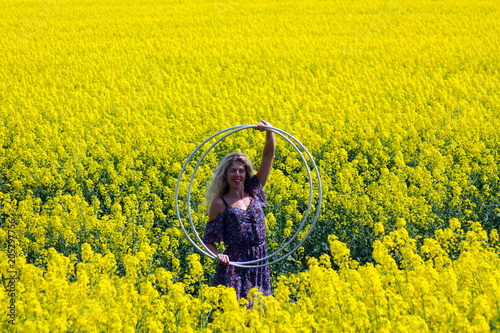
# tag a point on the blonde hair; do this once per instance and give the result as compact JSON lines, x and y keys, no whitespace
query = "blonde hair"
{"x":219,"y":185}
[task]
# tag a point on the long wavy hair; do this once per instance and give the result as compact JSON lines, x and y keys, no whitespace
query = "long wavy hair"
{"x":219,"y":185}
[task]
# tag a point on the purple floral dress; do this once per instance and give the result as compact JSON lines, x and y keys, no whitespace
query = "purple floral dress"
{"x":244,"y":233}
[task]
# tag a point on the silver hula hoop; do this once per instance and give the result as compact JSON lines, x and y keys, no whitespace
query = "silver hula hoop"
{"x":298,"y":230}
{"x":250,"y":264}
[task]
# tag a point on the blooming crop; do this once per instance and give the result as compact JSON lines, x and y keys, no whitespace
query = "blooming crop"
{"x":102,"y":102}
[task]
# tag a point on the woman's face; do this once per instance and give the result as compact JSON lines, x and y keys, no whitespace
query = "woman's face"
{"x":236,"y":175}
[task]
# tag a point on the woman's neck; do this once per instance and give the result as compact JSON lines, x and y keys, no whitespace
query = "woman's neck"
{"x":236,"y":193}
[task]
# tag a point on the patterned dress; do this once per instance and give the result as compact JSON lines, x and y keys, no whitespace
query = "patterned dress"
{"x":244,"y":233}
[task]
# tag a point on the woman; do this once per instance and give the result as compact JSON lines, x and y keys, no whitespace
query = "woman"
{"x":236,"y":198}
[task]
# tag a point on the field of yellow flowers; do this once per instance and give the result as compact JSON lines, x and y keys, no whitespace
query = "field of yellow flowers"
{"x":398,"y":101}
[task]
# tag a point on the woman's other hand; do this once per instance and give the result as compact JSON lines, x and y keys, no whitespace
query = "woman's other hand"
{"x":224,"y":259}
{"x":221,"y":257}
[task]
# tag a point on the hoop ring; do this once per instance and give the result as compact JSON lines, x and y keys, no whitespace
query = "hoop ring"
{"x":250,"y":264}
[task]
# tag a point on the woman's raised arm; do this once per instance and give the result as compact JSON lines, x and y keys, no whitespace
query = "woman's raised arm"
{"x":267,"y":154}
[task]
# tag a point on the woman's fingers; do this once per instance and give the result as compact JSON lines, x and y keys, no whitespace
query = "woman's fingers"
{"x":260,"y":126}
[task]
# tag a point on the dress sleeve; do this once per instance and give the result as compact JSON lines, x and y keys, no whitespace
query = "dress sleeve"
{"x":255,"y":186}
{"x":214,"y":232}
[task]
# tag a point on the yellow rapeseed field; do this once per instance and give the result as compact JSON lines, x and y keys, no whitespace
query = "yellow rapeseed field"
{"x":398,"y":101}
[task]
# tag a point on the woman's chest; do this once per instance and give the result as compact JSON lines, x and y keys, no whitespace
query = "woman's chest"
{"x":246,"y":218}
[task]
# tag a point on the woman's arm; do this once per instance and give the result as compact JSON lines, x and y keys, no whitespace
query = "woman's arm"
{"x":267,"y":154}
{"x":216,"y":208}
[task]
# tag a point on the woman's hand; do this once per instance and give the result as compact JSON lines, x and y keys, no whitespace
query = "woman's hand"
{"x":224,"y":259}
{"x":260,"y":126}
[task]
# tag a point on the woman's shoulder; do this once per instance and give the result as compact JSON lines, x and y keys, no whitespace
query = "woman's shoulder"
{"x":254,"y":181}
{"x":216,"y":208}
{"x":254,"y":184}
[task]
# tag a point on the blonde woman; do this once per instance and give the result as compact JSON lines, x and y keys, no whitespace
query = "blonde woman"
{"x":236,"y":198}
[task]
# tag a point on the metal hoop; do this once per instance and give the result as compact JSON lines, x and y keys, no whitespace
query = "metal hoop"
{"x":247,"y":264}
